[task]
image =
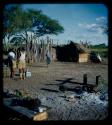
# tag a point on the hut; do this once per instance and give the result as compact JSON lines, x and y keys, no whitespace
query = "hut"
{"x":72,"y":52}
{"x":82,"y":53}
{"x":83,"y":57}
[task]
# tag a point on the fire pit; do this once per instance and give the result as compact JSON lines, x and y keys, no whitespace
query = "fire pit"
{"x":78,"y":90}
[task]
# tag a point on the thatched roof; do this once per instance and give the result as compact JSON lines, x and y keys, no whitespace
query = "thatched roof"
{"x":79,"y":47}
{"x":70,"y":52}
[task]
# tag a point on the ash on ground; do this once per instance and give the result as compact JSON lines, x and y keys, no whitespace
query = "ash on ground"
{"x":87,"y":106}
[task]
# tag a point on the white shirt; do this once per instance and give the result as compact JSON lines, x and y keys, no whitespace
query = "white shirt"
{"x":11,"y":54}
{"x":99,"y":57}
{"x":22,"y":57}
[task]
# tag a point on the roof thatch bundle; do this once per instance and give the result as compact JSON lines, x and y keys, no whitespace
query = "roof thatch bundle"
{"x":80,"y":48}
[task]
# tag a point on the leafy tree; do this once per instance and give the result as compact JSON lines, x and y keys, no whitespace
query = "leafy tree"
{"x":42,"y":24}
{"x":11,"y":20}
{"x":18,"y":22}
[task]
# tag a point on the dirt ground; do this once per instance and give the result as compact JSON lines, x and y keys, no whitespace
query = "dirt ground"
{"x":45,"y":80}
{"x":41,"y":75}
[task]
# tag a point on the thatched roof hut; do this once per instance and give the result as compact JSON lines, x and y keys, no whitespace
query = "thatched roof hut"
{"x":73,"y":52}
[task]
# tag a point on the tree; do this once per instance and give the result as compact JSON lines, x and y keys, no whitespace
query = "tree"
{"x":18,"y":22}
{"x":42,"y":24}
{"x":11,"y":20}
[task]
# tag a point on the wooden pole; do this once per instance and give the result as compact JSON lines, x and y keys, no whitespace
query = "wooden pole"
{"x":97,"y":80}
{"x":42,"y":50}
{"x":52,"y":50}
{"x":85,"y":79}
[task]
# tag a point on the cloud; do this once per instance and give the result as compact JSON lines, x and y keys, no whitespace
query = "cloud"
{"x":86,"y":35}
{"x":80,"y":24}
{"x":92,"y":27}
{"x":100,"y":30}
{"x":87,"y":26}
{"x":100,"y":26}
{"x":102,"y":18}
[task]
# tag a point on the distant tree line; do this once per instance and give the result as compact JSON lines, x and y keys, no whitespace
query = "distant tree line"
{"x":99,"y":46}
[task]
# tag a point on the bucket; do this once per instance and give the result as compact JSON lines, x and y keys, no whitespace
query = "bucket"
{"x":28,"y":74}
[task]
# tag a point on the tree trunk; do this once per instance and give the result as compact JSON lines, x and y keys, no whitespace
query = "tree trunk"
{"x":27,"y":48}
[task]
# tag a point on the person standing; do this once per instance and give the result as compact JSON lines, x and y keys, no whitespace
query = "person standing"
{"x":99,"y":58}
{"x":12,"y":62}
{"x":48,"y":58}
{"x":21,"y":57}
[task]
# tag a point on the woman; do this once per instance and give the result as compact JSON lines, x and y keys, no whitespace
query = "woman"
{"x":48,"y":58}
{"x":21,"y":62}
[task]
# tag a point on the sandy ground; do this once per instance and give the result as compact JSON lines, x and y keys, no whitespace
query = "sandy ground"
{"x":44,"y":84}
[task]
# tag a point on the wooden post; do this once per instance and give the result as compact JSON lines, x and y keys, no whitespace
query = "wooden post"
{"x":35,"y":49}
{"x":85,"y":79}
{"x":42,"y":50}
{"x":97,"y":80}
{"x":50,"y":46}
{"x":52,"y":54}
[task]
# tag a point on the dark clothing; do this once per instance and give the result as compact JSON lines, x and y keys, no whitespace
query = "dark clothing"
{"x":48,"y":59}
{"x":11,"y":64}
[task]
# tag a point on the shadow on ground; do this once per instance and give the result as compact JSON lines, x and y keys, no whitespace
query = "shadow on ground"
{"x":66,"y":81}
{"x":44,"y":66}
{"x":50,"y":90}
{"x":65,"y":85}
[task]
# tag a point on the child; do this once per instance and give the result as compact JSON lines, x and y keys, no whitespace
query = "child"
{"x":21,"y":62}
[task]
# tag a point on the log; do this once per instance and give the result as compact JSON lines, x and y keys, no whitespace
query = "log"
{"x":30,"y":114}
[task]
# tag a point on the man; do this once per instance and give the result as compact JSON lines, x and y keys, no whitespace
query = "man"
{"x":12,"y":62}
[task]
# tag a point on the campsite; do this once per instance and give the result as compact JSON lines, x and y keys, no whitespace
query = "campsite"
{"x":46,"y":78}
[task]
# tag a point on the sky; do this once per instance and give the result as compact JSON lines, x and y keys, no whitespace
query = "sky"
{"x":80,"y":21}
